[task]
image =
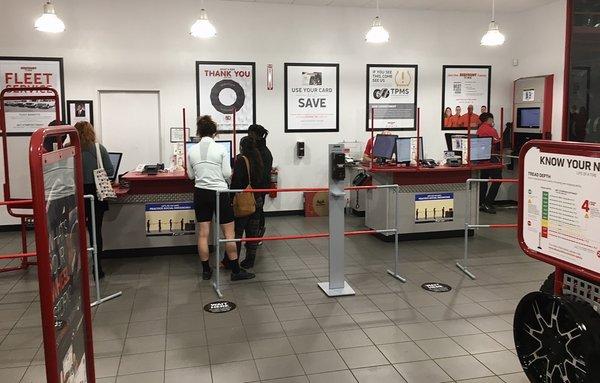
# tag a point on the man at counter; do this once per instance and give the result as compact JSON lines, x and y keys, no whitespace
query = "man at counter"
{"x":470,"y":119}
{"x":369,"y":148}
{"x":486,"y":199}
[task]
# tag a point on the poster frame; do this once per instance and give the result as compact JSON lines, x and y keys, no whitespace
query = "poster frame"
{"x":368,"y":92}
{"x":489,"y":90}
{"x":252,"y":64}
{"x":554,"y":147}
{"x":62,"y":85}
{"x":71,"y":102}
{"x":337,"y":97}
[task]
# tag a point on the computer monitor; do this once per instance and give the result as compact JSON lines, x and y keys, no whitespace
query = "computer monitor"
{"x":528,"y":118}
{"x":115,"y":160}
{"x":481,"y":149}
{"x":404,"y":149}
{"x":384,"y":147}
{"x":227,"y":145}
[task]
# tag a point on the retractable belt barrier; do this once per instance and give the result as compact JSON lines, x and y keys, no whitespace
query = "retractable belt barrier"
{"x":219,"y":240}
{"x":464,"y":265}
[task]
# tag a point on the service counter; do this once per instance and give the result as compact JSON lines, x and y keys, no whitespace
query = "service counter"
{"x":431,"y":203}
{"x":151,"y":215}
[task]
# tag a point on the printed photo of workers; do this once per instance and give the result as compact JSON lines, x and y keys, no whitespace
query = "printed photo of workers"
{"x":458,"y":120}
{"x":79,"y":110}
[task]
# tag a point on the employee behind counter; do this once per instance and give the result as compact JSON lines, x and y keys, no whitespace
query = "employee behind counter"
{"x":487,"y":195}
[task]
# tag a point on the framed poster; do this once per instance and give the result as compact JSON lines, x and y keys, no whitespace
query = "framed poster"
{"x":24,"y":117}
{"x":392,"y":97}
{"x":311,"y":97}
{"x":465,"y":95}
{"x":80,"y":110}
{"x":176,"y":135}
{"x":224,"y":87}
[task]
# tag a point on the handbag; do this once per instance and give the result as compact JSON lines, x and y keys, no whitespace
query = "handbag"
{"x":244,"y":203}
{"x":104,"y":189}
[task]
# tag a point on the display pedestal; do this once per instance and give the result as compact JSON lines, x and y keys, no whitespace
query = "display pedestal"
{"x":346,"y":290}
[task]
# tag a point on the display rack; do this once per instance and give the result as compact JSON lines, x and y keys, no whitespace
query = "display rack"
{"x":58,"y":208}
{"x":557,"y":329}
{"x":20,"y":208}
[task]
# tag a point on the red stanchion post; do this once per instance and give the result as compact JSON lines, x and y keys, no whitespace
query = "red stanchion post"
{"x":184,"y":142}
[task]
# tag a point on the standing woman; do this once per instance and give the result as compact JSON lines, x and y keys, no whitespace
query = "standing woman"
{"x":87,"y":137}
{"x":259,"y":133}
{"x":208,"y":165}
{"x":248,"y":170}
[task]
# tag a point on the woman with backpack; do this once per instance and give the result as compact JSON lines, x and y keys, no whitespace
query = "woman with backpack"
{"x":248,"y":172}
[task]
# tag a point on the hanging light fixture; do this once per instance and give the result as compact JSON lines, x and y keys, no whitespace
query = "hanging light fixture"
{"x":49,"y":22}
{"x":493,"y":37}
{"x":377,"y":34}
{"x":203,"y":28}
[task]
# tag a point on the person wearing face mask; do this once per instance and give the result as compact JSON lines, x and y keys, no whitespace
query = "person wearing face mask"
{"x":487,"y":197}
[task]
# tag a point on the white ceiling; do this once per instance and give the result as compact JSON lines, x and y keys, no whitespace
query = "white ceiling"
{"x":436,"y":5}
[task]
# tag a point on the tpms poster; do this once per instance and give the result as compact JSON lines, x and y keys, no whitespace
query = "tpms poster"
{"x":223,"y":88}
{"x":561,"y":207}
{"x":466,"y":94}
{"x":391,"y":97}
{"x":26,"y":115}
{"x":311,"y":97}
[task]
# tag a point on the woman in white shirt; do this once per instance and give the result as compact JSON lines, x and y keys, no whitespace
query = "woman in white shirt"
{"x":208,"y":164}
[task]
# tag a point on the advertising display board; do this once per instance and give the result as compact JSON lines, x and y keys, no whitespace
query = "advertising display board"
{"x":392,"y":96}
{"x":434,"y":207}
{"x":62,"y":260}
{"x":465,"y":95}
{"x":23,"y":117}
{"x":170,"y":218}
{"x":80,"y":110}
{"x":311,"y":97}
{"x":559,"y":216}
{"x":225,"y":87}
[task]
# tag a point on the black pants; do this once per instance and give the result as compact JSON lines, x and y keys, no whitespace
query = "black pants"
{"x":101,"y":207}
{"x":261,"y":225}
{"x":249,"y":225}
{"x":486,"y":196}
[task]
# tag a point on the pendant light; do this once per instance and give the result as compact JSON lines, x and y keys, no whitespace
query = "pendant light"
{"x":377,"y":34}
{"x":49,"y":22}
{"x":203,"y":28}
{"x":493,"y":37}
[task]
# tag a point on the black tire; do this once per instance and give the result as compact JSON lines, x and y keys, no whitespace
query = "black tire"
{"x":548,"y":285}
{"x":557,"y":339}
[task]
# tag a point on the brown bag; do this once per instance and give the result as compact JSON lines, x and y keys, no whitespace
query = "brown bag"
{"x":244,"y":203}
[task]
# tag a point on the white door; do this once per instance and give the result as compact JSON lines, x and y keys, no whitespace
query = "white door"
{"x":130,"y":124}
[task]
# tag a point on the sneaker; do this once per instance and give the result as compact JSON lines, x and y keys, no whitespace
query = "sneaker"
{"x":207,"y":275}
{"x":243,"y":274}
{"x":484,"y":207}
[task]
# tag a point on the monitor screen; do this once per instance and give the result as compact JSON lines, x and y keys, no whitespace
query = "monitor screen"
{"x":384,"y":146}
{"x":528,"y":117}
{"x":405,"y":146}
{"x":481,"y":148}
{"x":115,"y":160}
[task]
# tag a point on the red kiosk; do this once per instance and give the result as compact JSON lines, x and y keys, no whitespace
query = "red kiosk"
{"x":557,"y":329}
{"x":58,"y":206}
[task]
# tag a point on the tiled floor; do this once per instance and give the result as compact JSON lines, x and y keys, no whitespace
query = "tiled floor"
{"x":285,"y":329}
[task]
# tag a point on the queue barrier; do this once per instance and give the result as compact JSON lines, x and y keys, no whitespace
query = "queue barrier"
{"x":218,"y":240}
{"x":468,"y":225}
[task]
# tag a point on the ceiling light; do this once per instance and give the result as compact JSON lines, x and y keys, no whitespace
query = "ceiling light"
{"x":493,"y":37}
{"x":377,"y":34}
{"x":203,"y":28}
{"x":49,"y":22}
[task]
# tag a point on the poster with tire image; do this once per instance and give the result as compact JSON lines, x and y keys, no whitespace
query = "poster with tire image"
{"x":223,"y":88}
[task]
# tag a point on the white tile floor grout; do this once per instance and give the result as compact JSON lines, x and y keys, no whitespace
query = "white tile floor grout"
{"x":285,"y":329}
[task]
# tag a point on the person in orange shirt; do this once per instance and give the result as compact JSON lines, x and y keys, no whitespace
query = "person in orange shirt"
{"x":470,"y":119}
{"x":455,"y":120}
{"x":483,"y":109}
{"x":447,"y":117}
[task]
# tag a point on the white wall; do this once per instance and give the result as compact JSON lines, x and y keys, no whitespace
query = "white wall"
{"x":145,"y":45}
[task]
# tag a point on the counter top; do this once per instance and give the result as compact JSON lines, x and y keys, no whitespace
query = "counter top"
{"x":437,"y":169}
{"x":164,"y":182}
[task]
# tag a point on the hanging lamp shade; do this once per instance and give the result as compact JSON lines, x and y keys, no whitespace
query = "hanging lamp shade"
{"x":49,"y":22}
{"x":377,"y":34}
{"x":203,"y":28}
